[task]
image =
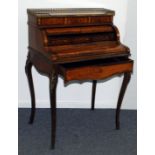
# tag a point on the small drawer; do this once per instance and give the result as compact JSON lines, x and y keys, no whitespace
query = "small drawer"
{"x":95,"y":70}
{"x":73,"y":21}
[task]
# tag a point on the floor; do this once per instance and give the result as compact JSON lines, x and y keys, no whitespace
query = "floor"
{"x":79,"y":132}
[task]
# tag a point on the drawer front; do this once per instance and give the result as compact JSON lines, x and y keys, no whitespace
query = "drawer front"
{"x":74,"y":21}
{"x":80,"y":38}
{"x":97,"y":72}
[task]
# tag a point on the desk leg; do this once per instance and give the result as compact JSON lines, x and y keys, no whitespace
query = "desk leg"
{"x":121,"y":95}
{"x":53,"y":83}
{"x":28,"y":68}
{"x":93,"y":94}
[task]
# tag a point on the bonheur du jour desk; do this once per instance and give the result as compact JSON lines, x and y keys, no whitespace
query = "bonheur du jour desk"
{"x":78,"y":45}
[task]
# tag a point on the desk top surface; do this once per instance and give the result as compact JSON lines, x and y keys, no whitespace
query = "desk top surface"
{"x":56,"y":12}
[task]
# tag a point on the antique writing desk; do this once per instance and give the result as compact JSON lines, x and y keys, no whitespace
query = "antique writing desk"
{"x":78,"y":45}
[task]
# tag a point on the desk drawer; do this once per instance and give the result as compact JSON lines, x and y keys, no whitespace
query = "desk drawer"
{"x":95,"y":70}
{"x":73,"y":21}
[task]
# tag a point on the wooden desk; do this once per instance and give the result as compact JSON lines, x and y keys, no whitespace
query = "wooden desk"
{"x":78,"y":45}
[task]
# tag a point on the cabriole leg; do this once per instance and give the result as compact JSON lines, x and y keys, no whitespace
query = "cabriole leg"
{"x":93,"y":94}
{"x":120,"y":99}
{"x":28,"y":71}
{"x":53,"y":83}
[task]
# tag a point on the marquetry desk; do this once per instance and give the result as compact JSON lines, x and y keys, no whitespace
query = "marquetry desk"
{"x":78,"y":45}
